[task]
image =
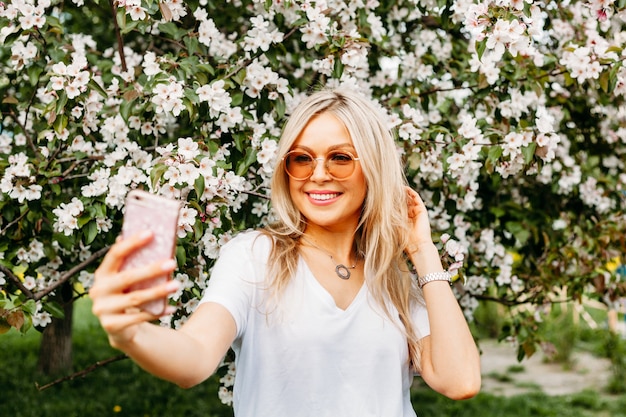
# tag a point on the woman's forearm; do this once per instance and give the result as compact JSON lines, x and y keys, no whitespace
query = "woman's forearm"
{"x":452,"y":363}
{"x":187,"y":356}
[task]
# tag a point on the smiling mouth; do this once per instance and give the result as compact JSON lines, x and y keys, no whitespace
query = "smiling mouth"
{"x":324,"y":197}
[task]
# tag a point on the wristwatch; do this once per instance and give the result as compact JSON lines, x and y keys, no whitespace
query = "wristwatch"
{"x":434,"y":276}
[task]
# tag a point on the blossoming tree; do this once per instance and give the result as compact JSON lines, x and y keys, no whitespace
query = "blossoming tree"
{"x":510,"y":116}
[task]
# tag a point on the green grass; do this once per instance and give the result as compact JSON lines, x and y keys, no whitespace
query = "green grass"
{"x":117,"y":389}
{"x":122,"y":389}
{"x":584,"y":404}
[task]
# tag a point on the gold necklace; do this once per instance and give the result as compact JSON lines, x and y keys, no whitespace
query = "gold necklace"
{"x":341,"y":270}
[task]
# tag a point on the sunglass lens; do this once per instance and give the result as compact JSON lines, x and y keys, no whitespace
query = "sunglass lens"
{"x":340,"y":165}
{"x":299,"y":164}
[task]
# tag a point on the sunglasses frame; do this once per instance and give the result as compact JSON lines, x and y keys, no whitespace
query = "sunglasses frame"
{"x":326,"y":161}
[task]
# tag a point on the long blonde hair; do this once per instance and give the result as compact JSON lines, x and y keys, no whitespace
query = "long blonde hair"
{"x":382,"y":233}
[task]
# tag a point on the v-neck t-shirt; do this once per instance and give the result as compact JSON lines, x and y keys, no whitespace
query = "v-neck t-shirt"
{"x":303,"y":355}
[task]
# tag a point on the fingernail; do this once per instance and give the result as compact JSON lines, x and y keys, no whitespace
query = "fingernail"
{"x":145,"y":234}
{"x":172,"y":286}
{"x":168,"y":265}
{"x":169,"y":310}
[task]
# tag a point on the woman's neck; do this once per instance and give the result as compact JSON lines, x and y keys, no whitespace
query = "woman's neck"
{"x":340,"y":244}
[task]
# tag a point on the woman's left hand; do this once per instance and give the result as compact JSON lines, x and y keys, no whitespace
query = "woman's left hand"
{"x":420,"y":223}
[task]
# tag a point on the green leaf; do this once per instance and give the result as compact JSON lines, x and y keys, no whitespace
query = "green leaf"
{"x":497,"y":211}
{"x":612,"y":81}
{"x":198,"y":186}
{"x":55,"y":188}
{"x":54,"y":309}
{"x":121,"y":17}
{"x":95,"y":86}
{"x":156,"y":174}
{"x":518,"y":230}
{"x":33,"y":74}
{"x":130,"y":26}
{"x":280,"y":108}
{"x":90,"y":231}
{"x":338,"y":68}
{"x":480,"y":48}
{"x":436,"y":198}
{"x":198,"y":231}
{"x":239,"y":140}
{"x":237,"y":99}
{"x":495,"y":152}
{"x":271,"y":56}
{"x":239,"y":76}
{"x":181,"y":255}
{"x":604,"y":81}
{"x":201,"y":78}
{"x":100,"y":210}
{"x":529,"y":152}
{"x":206,"y":68}
{"x":30,"y":307}
{"x":60,"y":104}
{"x":125,"y":109}
{"x":171,"y":29}
{"x":54,"y":24}
{"x":520,"y":353}
{"x":192,"y":44}
{"x":245,"y":164}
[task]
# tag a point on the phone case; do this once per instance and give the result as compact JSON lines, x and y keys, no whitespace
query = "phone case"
{"x":146,"y":211}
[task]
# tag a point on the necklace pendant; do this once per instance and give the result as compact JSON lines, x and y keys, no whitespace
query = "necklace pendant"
{"x":342,"y":271}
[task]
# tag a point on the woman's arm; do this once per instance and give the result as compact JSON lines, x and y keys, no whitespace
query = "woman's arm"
{"x":450,"y":362}
{"x":186,"y":356}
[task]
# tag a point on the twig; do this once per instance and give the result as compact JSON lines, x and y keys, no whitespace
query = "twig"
{"x":118,"y":35}
{"x":29,"y":139}
{"x":70,"y":169}
{"x":81,"y":374}
{"x":256,"y":194}
{"x":28,"y":293}
{"x":69,"y":274}
{"x":89,"y":158}
{"x":11,"y":223}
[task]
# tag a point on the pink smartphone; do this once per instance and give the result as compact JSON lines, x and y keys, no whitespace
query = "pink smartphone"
{"x":146,"y":211}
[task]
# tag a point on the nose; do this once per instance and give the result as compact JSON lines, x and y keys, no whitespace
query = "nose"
{"x":320,"y":173}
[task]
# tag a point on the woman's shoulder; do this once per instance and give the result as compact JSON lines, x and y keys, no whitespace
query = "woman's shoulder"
{"x":252,"y":241}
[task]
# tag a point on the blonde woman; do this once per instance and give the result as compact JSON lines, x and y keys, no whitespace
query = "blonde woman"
{"x":321,"y":310}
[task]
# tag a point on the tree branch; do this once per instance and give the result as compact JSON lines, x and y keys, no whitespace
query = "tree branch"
{"x":29,"y":139}
{"x":69,"y":274}
{"x":256,"y":194}
{"x":83,"y":373}
{"x":28,"y":293}
{"x":11,"y":223}
{"x":118,"y":35}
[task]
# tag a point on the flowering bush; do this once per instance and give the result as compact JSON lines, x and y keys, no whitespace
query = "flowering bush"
{"x":510,"y":115}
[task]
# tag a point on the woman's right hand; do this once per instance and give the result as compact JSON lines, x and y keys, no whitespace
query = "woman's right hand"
{"x":115,"y":306}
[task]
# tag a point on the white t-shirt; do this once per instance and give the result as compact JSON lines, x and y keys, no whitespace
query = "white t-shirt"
{"x":309,"y":357}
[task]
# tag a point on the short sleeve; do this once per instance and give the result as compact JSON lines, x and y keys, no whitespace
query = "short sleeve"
{"x":238,"y":274}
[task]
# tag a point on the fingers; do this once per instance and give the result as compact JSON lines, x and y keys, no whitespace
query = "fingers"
{"x":122,"y":248}
{"x":114,"y":324}
{"x":120,"y":315}
{"x":108,"y":276}
{"x":116,"y":306}
{"x":128,"y":302}
{"x":115,"y":283}
{"x":414,"y":203}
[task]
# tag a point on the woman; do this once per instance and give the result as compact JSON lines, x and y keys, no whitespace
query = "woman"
{"x":321,"y":310}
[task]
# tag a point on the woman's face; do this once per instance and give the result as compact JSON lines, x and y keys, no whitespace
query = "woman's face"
{"x":324,"y":201}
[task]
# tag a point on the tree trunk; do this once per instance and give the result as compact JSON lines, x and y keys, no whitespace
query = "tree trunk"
{"x":55,"y":353}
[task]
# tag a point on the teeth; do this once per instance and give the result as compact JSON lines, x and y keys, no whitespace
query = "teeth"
{"x":322,"y":197}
